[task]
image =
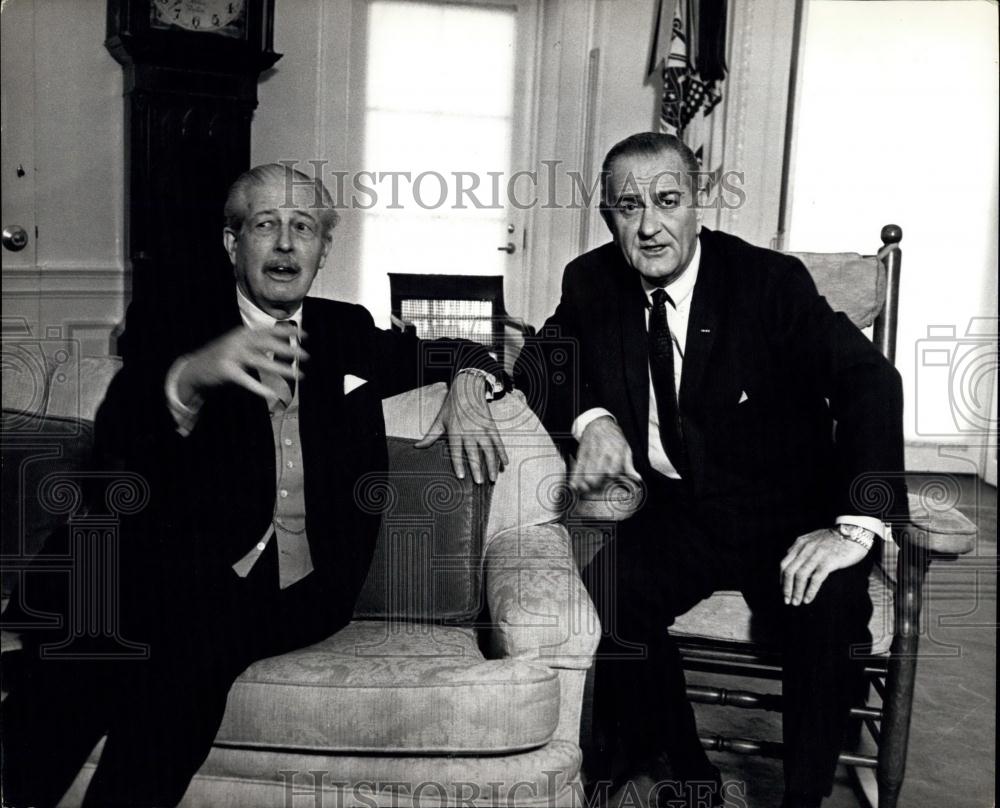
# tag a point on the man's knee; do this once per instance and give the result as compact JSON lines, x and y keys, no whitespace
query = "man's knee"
{"x":841,"y":609}
{"x":846,"y":588}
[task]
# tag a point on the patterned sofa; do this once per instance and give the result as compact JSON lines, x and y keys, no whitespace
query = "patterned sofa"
{"x":461,"y":680}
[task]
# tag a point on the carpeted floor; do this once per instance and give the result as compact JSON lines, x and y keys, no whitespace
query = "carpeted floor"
{"x":952,"y":752}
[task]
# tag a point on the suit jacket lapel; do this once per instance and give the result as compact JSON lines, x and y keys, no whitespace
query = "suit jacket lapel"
{"x":703,"y":322}
{"x":635,"y":350}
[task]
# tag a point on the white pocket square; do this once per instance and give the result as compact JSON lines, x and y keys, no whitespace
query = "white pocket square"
{"x":352,"y":383}
{"x":743,"y":397}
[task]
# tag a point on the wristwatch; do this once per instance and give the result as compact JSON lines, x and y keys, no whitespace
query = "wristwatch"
{"x":495,"y":388}
{"x":859,"y":535}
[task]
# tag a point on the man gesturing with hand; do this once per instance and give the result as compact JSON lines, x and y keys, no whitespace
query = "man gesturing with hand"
{"x":252,"y":417}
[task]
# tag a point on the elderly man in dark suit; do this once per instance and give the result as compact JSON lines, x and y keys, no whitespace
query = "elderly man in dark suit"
{"x":711,"y":372}
{"x":252,"y":417}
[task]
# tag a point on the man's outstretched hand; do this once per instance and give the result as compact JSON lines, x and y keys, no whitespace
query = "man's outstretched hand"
{"x":231,"y":358}
{"x":811,"y":559}
{"x":473,"y":437}
{"x":603,"y":455}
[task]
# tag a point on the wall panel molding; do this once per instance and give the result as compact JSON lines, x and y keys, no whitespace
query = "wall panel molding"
{"x":65,"y":279}
{"x":760,"y":58}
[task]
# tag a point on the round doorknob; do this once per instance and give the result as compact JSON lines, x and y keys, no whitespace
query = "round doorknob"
{"x":509,"y":248}
{"x":15,"y":238}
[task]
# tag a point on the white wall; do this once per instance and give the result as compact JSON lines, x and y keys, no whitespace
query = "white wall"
{"x":912,"y":88}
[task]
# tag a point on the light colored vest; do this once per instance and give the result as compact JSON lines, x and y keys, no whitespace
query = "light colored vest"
{"x":288,"y":525}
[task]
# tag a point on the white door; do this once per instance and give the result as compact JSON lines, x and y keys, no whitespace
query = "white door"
{"x":17,"y":110}
{"x":440,"y":126}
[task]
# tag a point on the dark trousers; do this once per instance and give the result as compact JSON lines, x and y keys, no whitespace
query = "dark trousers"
{"x":160,"y":714}
{"x":676,"y":552}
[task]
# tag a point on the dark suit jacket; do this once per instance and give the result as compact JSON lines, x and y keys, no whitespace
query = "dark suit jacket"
{"x":213,"y":491}
{"x":757,"y":328}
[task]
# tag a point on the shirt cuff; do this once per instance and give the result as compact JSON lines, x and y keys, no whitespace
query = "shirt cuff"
{"x":876,"y":526}
{"x":185,"y":414}
{"x":493,"y":386}
{"x":584,"y":419}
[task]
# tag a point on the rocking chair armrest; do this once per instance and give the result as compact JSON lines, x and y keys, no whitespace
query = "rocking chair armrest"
{"x":948,"y":531}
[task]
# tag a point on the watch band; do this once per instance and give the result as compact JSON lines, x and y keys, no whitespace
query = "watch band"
{"x":859,"y":535}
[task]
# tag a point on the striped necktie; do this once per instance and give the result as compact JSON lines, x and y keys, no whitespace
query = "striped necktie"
{"x":286,"y":387}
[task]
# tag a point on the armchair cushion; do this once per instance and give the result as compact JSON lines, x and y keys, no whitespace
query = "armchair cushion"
{"x":393,"y":687}
{"x":427,"y":562}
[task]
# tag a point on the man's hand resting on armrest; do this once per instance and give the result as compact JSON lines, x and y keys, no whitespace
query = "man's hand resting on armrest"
{"x":473,"y":436}
{"x":603,"y":455}
{"x":231,"y":358}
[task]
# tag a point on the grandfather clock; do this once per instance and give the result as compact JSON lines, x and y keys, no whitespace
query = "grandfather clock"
{"x":191,"y":71}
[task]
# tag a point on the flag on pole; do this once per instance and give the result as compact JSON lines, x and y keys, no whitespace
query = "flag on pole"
{"x":689,"y":44}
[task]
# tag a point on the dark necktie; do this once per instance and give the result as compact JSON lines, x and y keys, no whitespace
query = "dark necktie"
{"x":661,"y":366}
{"x":286,"y":329}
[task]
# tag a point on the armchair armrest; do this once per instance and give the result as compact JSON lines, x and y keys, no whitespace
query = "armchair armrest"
{"x":539,"y":606}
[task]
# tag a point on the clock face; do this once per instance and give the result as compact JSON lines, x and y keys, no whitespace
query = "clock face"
{"x":225,"y":17}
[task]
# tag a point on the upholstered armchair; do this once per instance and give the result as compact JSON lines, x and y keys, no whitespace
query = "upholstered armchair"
{"x":460,"y":682}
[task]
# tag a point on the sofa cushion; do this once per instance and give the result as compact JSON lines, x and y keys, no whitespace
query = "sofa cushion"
{"x":393,"y":687}
{"x":531,"y":489}
{"x":547,"y":777}
{"x":428,"y":557}
{"x":726,"y":616}
{"x":41,"y":458}
{"x":82,"y":392}
{"x":539,"y":777}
